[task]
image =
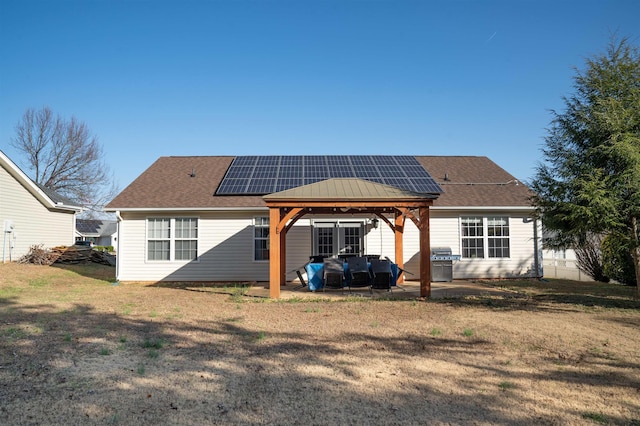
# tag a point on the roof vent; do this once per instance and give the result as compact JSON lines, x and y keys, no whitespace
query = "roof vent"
{"x":446,"y":177}
{"x":193,"y":172}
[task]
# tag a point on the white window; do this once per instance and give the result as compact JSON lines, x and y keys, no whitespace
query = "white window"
{"x":472,"y":237}
{"x":261,"y":238}
{"x":172,"y":239}
{"x":186,"y":238}
{"x":158,"y":239}
{"x":498,"y":236}
{"x":482,"y":235}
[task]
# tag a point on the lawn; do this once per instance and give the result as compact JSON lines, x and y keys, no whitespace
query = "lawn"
{"x":78,"y":348}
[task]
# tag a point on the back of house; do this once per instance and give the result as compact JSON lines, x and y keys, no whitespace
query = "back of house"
{"x":204,"y":218}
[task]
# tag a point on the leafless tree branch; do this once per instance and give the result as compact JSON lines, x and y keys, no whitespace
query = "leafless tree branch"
{"x":65,"y":156}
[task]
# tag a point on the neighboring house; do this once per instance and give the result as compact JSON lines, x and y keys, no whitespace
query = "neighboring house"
{"x":31,"y":214}
{"x":99,"y":232}
{"x":179,"y":221}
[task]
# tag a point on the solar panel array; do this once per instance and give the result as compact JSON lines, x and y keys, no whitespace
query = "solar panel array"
{"x":252,"y":175}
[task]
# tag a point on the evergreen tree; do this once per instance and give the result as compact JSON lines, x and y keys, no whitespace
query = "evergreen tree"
{"x":589,"y":180}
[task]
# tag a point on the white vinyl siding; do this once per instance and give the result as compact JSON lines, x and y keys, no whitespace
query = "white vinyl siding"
{"x":226,"y":247}
{"x":33,"y":222}
{"x":225,"y":241}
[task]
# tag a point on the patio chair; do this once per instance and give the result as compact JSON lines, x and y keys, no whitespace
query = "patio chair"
{"x":299,"y":271}
{"x":358,"y":272}
{"x":333,"y":273}
{"x":317,"y":258}
{"x":382,"y":275}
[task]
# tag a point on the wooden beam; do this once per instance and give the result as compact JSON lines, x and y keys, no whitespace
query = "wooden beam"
{"x":282,"y":222}
{"x":425,"y":254}
{"x":283,"y":257}
{"x":398,"y":235}
{"x":388,"y":222}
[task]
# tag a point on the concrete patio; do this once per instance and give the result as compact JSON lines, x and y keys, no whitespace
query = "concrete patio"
{"x":406,"y":290}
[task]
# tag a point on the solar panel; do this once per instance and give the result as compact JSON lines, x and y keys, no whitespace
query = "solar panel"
{"x":266,"y":174}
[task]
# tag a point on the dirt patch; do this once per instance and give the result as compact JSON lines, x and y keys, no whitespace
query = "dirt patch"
{"x":75,"y":348}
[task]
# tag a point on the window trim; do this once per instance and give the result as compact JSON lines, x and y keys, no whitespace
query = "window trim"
{"x":486,"y":237}
{"x":172,"y":239}
{"x":254,"y":238}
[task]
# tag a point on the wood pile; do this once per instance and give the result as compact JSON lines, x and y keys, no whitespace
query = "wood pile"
{"x":38,"y":255}
{"x":75,"y":254}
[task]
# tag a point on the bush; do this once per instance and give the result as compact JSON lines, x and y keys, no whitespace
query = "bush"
{"x":589,"y":258}
{"x":108,"y":249}
{"x":617,"y":261}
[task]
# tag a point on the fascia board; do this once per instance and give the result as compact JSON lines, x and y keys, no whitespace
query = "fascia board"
{"x":492,"y":208}
{"x":185,"y":209}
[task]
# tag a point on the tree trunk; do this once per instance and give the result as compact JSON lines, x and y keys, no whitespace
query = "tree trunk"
{"x":635,"y":252}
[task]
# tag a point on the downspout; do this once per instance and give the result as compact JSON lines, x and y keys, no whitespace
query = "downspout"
{"x":118,"y":245}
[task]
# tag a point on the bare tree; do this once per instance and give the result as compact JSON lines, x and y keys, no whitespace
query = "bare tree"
{"x":64,"y":156}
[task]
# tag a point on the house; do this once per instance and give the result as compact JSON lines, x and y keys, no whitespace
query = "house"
{"x":97,"y":231}
{"x":214,"y":218}
{"x":31,"y":214}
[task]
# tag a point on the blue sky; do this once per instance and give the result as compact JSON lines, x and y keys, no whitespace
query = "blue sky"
{"x":157,"y":78}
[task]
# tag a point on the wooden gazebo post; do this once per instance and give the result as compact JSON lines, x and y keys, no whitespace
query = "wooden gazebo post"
{"x":425,"y":253}
{"x":277,"y":242}
{"x":399,"y":238}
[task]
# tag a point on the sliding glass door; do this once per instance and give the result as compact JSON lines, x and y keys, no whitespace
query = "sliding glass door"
{"x":333,"y":238}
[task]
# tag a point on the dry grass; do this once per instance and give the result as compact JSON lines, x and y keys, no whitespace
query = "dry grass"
{"x":77,"y":349}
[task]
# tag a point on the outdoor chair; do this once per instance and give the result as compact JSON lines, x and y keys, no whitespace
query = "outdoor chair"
{"x":382,"y":275}
{"x":358,"y":272}
{"x":299,"y":271}
{"x":333,"y":273}
{"x":317,"y":258}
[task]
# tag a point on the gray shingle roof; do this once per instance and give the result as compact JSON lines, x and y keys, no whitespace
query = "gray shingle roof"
{"x":167,"y":183}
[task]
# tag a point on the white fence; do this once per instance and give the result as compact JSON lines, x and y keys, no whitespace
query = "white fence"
{"x":565,"y":269}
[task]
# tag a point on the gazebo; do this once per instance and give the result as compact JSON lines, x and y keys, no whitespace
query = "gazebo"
{"x":350,"y":195}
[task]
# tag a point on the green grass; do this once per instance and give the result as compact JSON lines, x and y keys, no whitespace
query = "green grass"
{"x":153,"y":343}
{"x":105,"y":351}
{"x":505,"y":385}
{"x":467,"y":332}
{"x":14,"y":333}
{"x":7,"y":292}
{"x":39,"y":282}
{"x":596,"y":417}
{"x":436,"y":331}
{"x":237,"y":291}
{"x":127,"y":308}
